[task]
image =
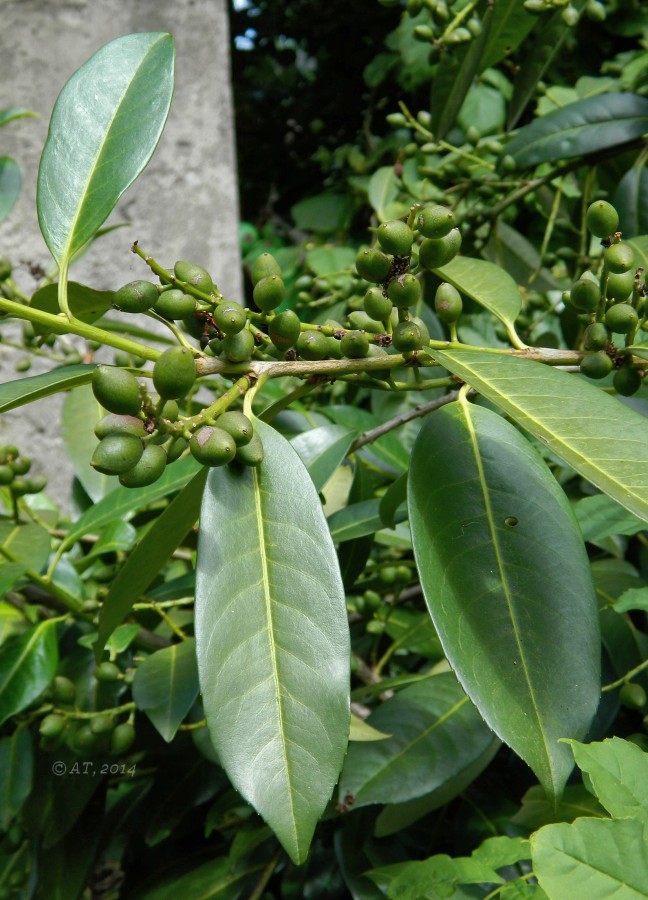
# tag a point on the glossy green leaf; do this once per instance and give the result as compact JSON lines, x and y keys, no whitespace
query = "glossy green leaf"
{"x":507,"y":582}
{"x":394,"y":496}
{"x":26,"y":390}
{"x":80,"y":413}
{"x":214,"y":879}
{"x":599,"y":517}
{"x":85,"y":303}
{"x":618,"y":775}
{"x":414,"y":631}
{"x":634,"y":598}
{"x":361,"y":730}
{"x":115,"y":537}
{"x":16,"y":772}
{"x":166,"y":685}
{"x":631,"y":201}
{"x":516,"y":255}
{"x":388,"y":453}
{"x":587,"y":126}
{"x":593,"y":858}
{"x":511,"y":24}
{"x":272,"y":640}
{"x":640,"y":246}
{"x":383,"y":190}
{"x":323,"y":260}
{"x":355,"y":521}
{"x":12,"y":620}
{"x":436,"y":733}
{"x":104,"y":128}
{"x":323,"y":213}
{"x":149,"y":556}
{"x":27,"y":665}
{"x":27,"y":544}
{"x":322,"y":450}
{"x":10,"y":183}
{"x":486,"y":284}
{"x":604,"y":440}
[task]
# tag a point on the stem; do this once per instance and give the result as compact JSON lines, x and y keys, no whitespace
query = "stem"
{"x":422,"y":410}
{"x":265,"y":876}
{"x":173,"y":328}
{"x":238,"y":389}
{"x":627,"y":677}
{"x":168,"y":621}
{"x":270,"y":412}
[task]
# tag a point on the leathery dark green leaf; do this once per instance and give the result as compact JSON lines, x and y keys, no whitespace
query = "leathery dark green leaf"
{"x":272,"y":639}
{"x":507,"y":582}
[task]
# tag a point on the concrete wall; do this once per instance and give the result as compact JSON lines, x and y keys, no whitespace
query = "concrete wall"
{"x":184,"y":205}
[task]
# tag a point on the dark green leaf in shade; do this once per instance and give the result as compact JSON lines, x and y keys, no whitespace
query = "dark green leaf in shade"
{"x":10,"y":183}
{"x":26,"y":390}
{"x":16,"y":772}
{"x":507,"y":582}
{"x":519,"y":257}
{"x":618,"y":775}
{"x":27,"y":665}
{"x":272,"y":640}
{"x":166,"y":685}
{"x":215,"y":879}
{"x":322,"y":450}
{"x":355,"y":521}
{"x":511,"y":24}
{"x":538,"y":810}
{"x":323,"y":213}
{"x":394,"y":496}
{"x":85,"y":303}
{"x":148,"y":557}
{"x":587,"y":126}
{"x":436,"y":734}
{"x":631,"y":201}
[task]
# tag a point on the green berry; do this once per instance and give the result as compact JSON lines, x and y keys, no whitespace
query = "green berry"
{"x":6,"y":474}
{"x":264,"y":267}
{"x":174,"y":373}
{"x":360,"y":321}
{"x":585,"y":295}
{"x":632,"y":695}
{"x":116,"y":424}
{"x":404,"y":291}
{"x":435,"y":253}
{"x":618,"y":258}
{"x":20,"y":487}
{"x":406,"y":337}
{"x":85,"y":738}
{"x":251,"y":454}
{"x":194,"y":275}
{"x":238,"y":347}
{"x":396,"y":237}
{"x":334,"y":349}
{"x":23,"y":365}
{"x":435,"y":221}
{"x":107,"y":671}
{"x":602,"y":219}
{"x":21,"y":466}
{"x":570,"y":16}
{"x":626,"y":380}
{"x":237,"y":425}
{"x":622,"y":318}
{"x":175,"y":304}
{"x":63,"y":690}
{"x":596,"y":336}
{"x":230,"y":317}
{"x":116,"y":454}
{"x":212,"y":446}
{"x":619,"y":287}
{"x":596,"y":365}
{"x":269,"y":293}
{"x":102,"y":723}
{"x":448,"y":303}
{"x":116,"y":390}
{"x":52,"y":725}
{"x":354,"y":345}
{"x":122,"y":738}
{"x":175,"y":449}
{"x":373,"y":265}
{"x":170,"y":411}
{"x":312,"y":345}
{"x":136,"y":297}
{"x":5,"y":268}
{"x":284,"y":329}
{"x":376,"y":305}
{"x":149,"y":468}
{"x":37,"y":484}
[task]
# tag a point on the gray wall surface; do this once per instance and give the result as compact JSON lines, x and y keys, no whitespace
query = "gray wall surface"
{"x":183,"y":206}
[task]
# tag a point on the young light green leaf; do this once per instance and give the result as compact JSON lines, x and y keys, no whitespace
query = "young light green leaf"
{"x":486,"y":284}
{"x":272,"y":640}
{"x":322,"y":450}
{"x":166,"y":685}
{"x":27,"y":665}
{"x":633,"y":598}
{"x":618,"y":775}
{"x":528,"y":584}
{"x":433,"y":877}
{"x":361,"y":730}
{"x":436,"y":733}
{"x":592,"y":858}
{"x":10,"y":114}
{"x":16,"y":772}
{"x":537,"y":809}
{"x":28,"y":544}
{"x":27,"y":390}
{"x":85,"y":303}
{"x":10,"y":183}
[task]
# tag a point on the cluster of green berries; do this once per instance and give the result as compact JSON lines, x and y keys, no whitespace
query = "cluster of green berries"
{"x":570,"y":15}
{"x":13,"y":469}
{"x":435,"y":31}
{"x":611,"y":305}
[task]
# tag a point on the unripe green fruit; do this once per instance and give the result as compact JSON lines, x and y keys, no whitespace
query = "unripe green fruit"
{"x":122,"y":360}
{"x":212,"y":446}
{"x":149,"y":468}
{"x":622,"y":318}
{"x":122,"y":738}
{"x":175,"y":304}
{"x":230,"y":317}
{"x":448,"y":303}
{"x":406,"y":337}
{"x":618,"y":258}
{"x":238,"y":347}
{"x":284,"y":329}
{"x":136,"y":297}
{"x":632,"y":695}
{"x":116,"y":390}
{"x":175,"y":449}
{"x":596,"y":365}
{"x":264,"y":267}
{"x":626,"y":380}
{"x":21,"y":466}
{"x":422,"y":327}
{"x":334,"y":349}
{"x":20,"y":487}
{"x":312,"y":345}
{"x":116,"y":454}
{"x":6,"y":474}
{"x":107,"y":671}
{"x":396,"y":237}
{"x":570,"y":16}
{"x":360,"y":321}
{"x":376,"y":305}
{"x":116,"y":424}
{"x":102,"y":724}
{"x":269,"y":293}
{"x":251,"y":454}
{"x":85,"y":738}
{"x":170,"y":411}
{"x":435,"y":221}
{"x":63,"y":690}
{"x":596,"y":336}
{"x":619,"y":287}
{"x":174,"y":373}
{"x":436,"y":253}
{"x":602,"y":218}
{"x":404,"y":291}
{"x":5,"y":268}
{"x":585,"y":295}
{"x":237,"y":425}
{"x":52,"y":725}
{"x":37,"y":484}
{"x":194,"y":326}
{"x":354,"y":345}
{"x":194,"y":275}
{"x":373,"y":265}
